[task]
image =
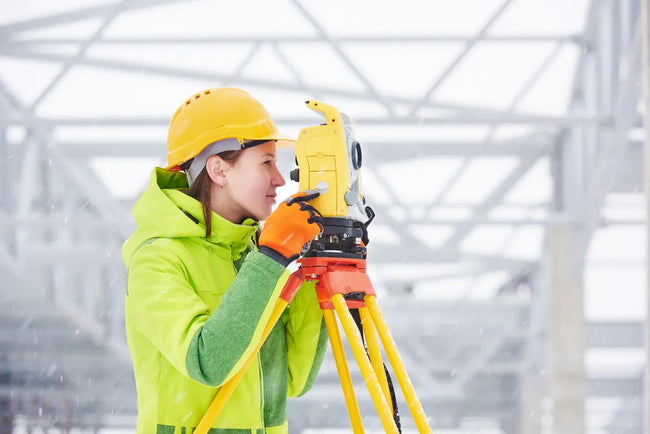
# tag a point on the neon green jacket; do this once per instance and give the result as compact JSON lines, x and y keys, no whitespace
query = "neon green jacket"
{"x":195,"y":309}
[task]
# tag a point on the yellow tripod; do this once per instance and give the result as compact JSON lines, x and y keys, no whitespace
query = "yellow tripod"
{"x":342,"y":283}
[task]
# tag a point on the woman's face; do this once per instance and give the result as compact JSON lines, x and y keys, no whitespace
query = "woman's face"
{"x":252,"y":181}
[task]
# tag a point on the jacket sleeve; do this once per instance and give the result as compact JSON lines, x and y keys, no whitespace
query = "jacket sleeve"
{"x":306,"y":340}
{"x":207,"y":348}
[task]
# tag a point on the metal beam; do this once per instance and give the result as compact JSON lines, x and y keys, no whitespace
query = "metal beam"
{"x":618,"y":387}
{"x":614,"y":144}
{"x":525,"y":88}
{"x":373,"y":39}
{"x":482,"y":358}
{"x":460,"y":56}
{"x":85,"y":180}
{"x":615,"y":335}
{"x":375,"y":151}
{"x":544,"y":123}
{"x":60,"y":220}
{"x":462,"y":230}
{"x":106,"y":21}
{"x":9,"y":30}
{"x":644,"y":35}
{"x":344,"y":57}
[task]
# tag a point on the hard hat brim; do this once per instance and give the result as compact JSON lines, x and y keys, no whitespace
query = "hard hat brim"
{"x":283,"y":141}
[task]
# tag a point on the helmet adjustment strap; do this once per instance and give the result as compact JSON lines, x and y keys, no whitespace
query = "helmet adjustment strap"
{"x":231,"y":144}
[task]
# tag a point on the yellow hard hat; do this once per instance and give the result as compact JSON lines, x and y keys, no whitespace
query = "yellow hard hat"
{"x":214,"y":115}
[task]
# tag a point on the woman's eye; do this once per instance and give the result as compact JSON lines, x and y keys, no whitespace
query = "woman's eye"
{"x":269,"y":162}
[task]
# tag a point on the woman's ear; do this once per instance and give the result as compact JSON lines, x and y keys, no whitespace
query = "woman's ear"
{"x":216,"y":167}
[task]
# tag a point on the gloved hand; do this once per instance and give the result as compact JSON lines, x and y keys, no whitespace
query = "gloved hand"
{"x":292,"y":225}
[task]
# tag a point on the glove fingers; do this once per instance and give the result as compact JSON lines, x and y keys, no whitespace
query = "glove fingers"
{"x":314,"y":215}
{"x":318,"y":220}
{"x":303,"y":196}
{"x":315,"y":218}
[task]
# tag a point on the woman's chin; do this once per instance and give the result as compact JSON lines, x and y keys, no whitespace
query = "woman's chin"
{"x":262,"y":215}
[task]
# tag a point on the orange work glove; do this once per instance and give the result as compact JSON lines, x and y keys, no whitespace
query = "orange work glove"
{"x":292,"y":225}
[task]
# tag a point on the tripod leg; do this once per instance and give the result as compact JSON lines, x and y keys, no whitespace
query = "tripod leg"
{"x":373,"y":350}
{"x":343,"y":370}
{"x":398,"y":366}
{"x":354,"y":339}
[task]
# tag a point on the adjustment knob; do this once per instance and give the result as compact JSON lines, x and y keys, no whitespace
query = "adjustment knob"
{"x":294,"y":175}
{"x":351,"y":197}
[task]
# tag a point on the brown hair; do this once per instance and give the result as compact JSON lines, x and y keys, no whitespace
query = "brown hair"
{"x":202,"y":186}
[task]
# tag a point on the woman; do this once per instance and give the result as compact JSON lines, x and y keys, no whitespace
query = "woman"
{"x":201,"y":285}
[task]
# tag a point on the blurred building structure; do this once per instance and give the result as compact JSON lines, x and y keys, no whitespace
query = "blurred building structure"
{"x":503,"y":157}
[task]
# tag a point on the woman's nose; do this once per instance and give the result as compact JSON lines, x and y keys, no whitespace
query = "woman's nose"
{"x":278,"y":179}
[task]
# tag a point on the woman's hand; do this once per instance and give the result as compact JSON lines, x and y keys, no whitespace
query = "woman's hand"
{"x":292,"y":225}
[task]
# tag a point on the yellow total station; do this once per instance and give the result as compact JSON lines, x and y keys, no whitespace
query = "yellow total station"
{"x":329,"y":159}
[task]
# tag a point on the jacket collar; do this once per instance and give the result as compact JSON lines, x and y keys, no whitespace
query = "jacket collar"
{"x":225,"y":232}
